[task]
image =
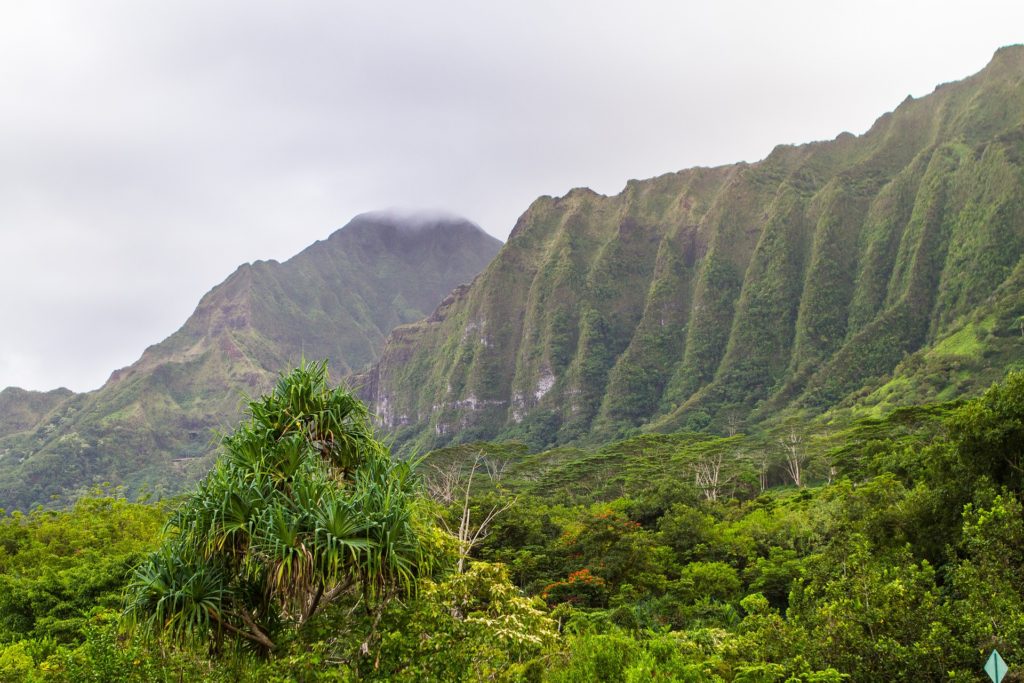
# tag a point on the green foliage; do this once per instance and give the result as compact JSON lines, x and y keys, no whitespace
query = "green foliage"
{"x":57,"y":566}
{"x":988,"y":434}
{"x":877,"y":617}
{"x":853,"y":580}
{"x":987,"y":585}
{"x":304,"y":508}
{"x":883,"y":575}
{"x":471,"y":626}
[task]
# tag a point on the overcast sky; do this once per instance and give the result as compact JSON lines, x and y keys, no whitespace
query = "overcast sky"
{"x":149,"y":148}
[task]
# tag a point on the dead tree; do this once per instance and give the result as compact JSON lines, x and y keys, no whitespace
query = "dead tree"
{"x":449,"y":486}
{"x":762,"y":464}
{"x":707,"y":474}
{"x":793,"y":455}
{"x":443,"y":485}
{"x":495,"y":469}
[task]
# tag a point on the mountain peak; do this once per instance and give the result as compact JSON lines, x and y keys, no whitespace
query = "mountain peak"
{"x":413,"y":220}
{"x":337,"y":299}
{"x":1013,"y":52}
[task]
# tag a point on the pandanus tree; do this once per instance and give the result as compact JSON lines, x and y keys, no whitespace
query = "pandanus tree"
{"x":303,"y":507}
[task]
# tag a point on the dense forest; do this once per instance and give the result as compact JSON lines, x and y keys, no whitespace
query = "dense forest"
{"x":886,"y":548}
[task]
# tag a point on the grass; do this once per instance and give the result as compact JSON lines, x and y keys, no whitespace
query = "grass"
{"x":966,"y":342}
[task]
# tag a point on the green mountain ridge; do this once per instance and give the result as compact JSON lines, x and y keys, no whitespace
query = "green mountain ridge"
{"x":731,"y":294}
{"x":152,"y":424}
{"x":21,"y":409}
{"x":837,"y":279}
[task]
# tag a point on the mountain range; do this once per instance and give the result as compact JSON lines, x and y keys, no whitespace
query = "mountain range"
{"x":153,"y":424}
{"x":828,"y":281}
{"x":842,"y":275}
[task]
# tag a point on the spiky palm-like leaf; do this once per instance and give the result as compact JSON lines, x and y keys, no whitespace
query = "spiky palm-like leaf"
{"x":303,"y":505}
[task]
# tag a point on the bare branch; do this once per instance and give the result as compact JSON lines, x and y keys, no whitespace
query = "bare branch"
{"x":470,"y":533}
{"x":443,"y":484}
{"x":792,"y":449}
{"x":707,"y":474}
{"x":495,"y":469}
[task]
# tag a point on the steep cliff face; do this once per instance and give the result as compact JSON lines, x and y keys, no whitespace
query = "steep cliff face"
{"x":152,"y":423}
{"x":712,"y":295}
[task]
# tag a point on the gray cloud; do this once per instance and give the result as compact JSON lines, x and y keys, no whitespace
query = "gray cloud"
{"x":146,"y":149}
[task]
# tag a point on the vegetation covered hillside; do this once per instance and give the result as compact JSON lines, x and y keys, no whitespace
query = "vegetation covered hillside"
{"x":151,"y":423}
{"x":307,"y":554}
{"x":21,"y":409}
{"x":725,"y":295}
